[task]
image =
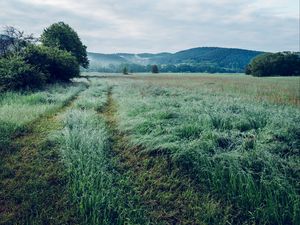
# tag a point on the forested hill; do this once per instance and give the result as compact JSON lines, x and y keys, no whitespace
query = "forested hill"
{"x":204,"y":59}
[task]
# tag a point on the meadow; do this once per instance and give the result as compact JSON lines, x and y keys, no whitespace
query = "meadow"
{"x":18,"y":109}
{"x":154,"y":149}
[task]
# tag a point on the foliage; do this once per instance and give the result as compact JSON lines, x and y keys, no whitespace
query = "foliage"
{"x":125,"y":71}
{"x":270,"y":64}
{"x":202,"y":67}
{"x":16,"y":74}
{"x":154,"y":69}
{"x":62,"y":36}
{"x":26,"y":65}
{"x":13,"y":40}
{"x":58,"y":64}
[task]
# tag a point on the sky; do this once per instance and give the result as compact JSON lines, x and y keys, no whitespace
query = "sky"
{"x":135,"y":26}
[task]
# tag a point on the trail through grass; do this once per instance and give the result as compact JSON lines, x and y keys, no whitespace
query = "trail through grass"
{"x":151,"y":150}
{"x":101,"y":193}
{"x":242,"y":152}
{"x":32,"y":179}
{"x":17,"y":109}
{"x":166,"y":195}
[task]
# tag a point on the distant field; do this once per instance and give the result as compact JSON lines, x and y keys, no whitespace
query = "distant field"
{"x":282,"y":90}
{"x":153,"y":149}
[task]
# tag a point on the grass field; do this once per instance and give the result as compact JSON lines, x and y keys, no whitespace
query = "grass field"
{"x":153,"y":149}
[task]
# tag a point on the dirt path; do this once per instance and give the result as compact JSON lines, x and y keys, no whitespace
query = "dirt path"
{"x":33,"y":188}
{"x":168,"y":197}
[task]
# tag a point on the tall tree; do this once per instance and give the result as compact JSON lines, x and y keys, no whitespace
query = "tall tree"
{"x":64,"y":37}
{"x":14,"y":40}
{"x":125,"y":71}
{"x":154,"y":69}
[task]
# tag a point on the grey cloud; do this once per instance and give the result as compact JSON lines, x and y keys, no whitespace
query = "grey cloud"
{"x":162,"y":25}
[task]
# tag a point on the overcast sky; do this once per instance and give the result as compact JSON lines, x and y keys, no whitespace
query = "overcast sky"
{"x":135,"y":26}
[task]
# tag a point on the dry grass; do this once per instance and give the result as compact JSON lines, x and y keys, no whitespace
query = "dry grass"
{"x":279,"y":90}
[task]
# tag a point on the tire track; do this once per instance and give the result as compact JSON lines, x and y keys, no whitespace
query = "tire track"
{"x":168,"y":196}
{"x":33,"y":188}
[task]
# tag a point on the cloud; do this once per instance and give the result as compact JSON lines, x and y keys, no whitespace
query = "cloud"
{"x":164,"y":25}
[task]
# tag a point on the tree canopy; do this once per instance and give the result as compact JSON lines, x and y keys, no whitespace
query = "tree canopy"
{"x":275,"y":64}
{"x":24,"y":64}
{"x":16,"y":74}
{"x":13,"y":40}
{"x":62,"y":36}
{"x":57,"y":64}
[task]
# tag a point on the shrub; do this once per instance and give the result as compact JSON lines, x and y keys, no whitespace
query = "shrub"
{"x":16,"y":74}
{"x":59,"y":64}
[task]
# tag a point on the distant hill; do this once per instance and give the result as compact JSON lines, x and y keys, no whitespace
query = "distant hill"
{"x":203,"y":59}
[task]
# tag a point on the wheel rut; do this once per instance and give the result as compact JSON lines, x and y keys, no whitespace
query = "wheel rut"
{"x":164,"y":194}
{"x":33,"y":185}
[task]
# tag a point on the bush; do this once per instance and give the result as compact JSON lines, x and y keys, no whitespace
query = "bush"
{"x":16,"y":74}
{"x":59,"y":64}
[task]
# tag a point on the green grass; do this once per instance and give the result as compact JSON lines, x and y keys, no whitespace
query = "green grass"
{"x":163,"y":149}
{"x":32,"y":179}
{"x":244,"y":152}
{"x":278,"y":90}
{"x":95,"y":97}
{"x":101,"y":194}
{"x":18,"y":109}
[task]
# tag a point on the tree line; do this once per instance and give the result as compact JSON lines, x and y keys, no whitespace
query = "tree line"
{"x":27,"y":62}
{"x":164,"y":68}
{"x":275,"y":64}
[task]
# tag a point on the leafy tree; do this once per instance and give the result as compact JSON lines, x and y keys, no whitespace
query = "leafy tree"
{"x":125,"y":71}
{"x":248,"y":69}
{"x":154,"y":69}
{"x":13,"y":40}
{"x":58,"y":64}
{"x":16,"y":74}
{"x":62,"y":36}
{"x":270,"y":64}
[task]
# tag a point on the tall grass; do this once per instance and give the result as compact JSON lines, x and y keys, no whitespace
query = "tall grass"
{"x":244,"y":152}
{"x":95,"y":97}
{"x":102,"y":195}
{"x":278,"y":90}
{"x":18,"y":109}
